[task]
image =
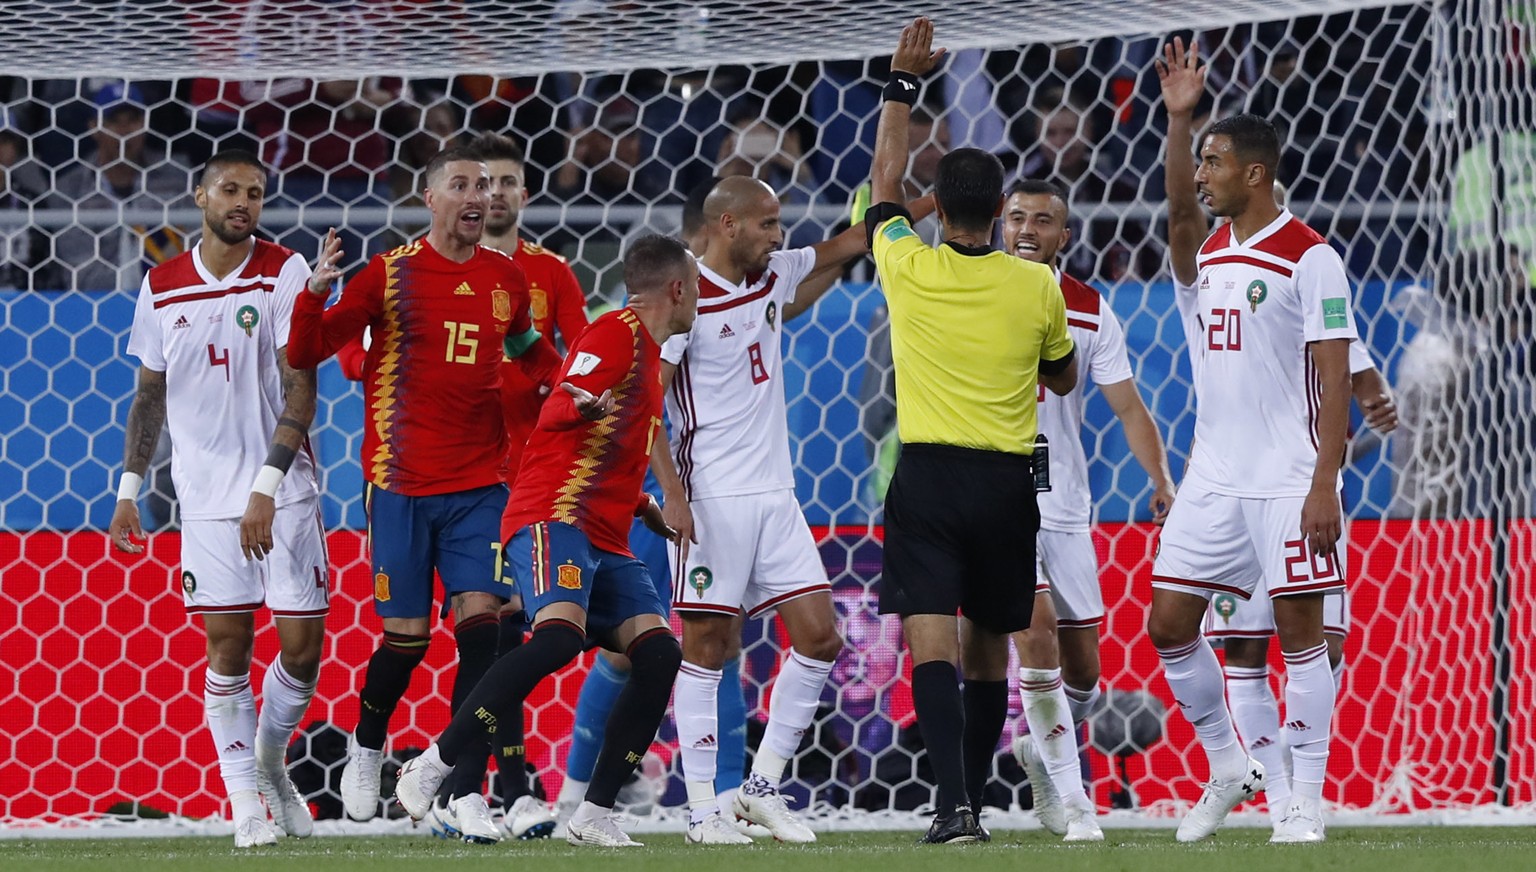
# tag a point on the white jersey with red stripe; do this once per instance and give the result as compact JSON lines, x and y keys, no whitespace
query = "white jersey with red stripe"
{"x":730,"y":428}
{"x":1254,"y":307}
{"x":1102,"y":358}
{"x":217,"y":340}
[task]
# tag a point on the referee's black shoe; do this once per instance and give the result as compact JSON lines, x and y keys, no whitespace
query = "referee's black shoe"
{"x":958,"y":826}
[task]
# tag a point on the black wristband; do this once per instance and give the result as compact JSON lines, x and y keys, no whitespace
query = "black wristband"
{"x":901,"y":88}
{"x":280,"y":457}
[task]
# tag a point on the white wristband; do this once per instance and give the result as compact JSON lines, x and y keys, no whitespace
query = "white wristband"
{"x":129,"y":485}
{"x":267,"y":481}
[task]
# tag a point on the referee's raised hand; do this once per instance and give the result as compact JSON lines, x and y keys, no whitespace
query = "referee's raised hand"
{"x":914,"y":52}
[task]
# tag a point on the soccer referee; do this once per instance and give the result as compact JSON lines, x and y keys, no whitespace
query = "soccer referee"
{"x":974,"y":331}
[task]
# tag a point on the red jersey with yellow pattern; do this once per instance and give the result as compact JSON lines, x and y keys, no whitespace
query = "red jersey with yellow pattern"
{"x":588,"y":473}
{"x":556,"y":302}
{"x":432,"y":376}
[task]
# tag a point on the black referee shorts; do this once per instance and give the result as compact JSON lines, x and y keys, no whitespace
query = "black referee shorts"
{"x":960,"y":527}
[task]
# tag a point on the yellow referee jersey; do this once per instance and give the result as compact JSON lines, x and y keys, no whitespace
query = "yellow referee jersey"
{"x":968,"y":333}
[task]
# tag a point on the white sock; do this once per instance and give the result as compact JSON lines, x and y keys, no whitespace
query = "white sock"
{"x":587,"y":812}
{"x":1309,"y":700}
{"x":1194,"y":676}
{"x":1050,"y":727}
{"x":284,"y":699}
{"x":1256,"y":713}
{"x":230,"y":709}
{"x":796,"y":693}
{"x":1082,"y":701}
{"x":572,"y":791}
{"x":695,"y":701}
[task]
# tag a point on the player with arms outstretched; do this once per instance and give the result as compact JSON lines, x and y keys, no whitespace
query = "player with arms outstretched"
{"x":1059,"y":653}
{"x":209,"y":332}
{"x":442,"y":311}
{"x":1267,"y":302}
{"x":567,"y":529}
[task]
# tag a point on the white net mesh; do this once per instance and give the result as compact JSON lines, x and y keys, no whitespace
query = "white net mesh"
{"x":1409,"y":143}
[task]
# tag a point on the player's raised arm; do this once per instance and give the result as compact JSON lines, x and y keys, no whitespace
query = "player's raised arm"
{"x":146,"y":416}
{"x":914,"y":58}
{"x":833,"y":256}
{"x":316,"y":332}
{"x":1183,"y":82}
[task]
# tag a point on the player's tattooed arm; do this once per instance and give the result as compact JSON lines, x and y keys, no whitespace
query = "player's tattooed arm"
{"x":299,"y":400}
{"x":146,"y":417}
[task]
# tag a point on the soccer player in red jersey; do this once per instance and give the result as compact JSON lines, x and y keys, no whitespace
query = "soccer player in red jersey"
{"x":567,"y":526}
{"x":442,"y":310}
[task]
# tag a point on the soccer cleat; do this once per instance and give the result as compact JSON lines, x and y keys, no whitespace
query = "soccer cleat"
{"x":1082,"y":826}
{"x":474,"y":820}
{"x":254,"y":831}
{"x":768,"y":809}
{"x":713,"y":830}
{"x":957,"y":827}
{"x":563,"y":811}
{"x":441,"y":822}
{"x":1049,"y":809}
{"x":290,"y":811}
{"x":599,"y":832}
{"x":419,"y":780}
{"x":360,"y":781}
{"x":1303,"y":824}
{"x":747,"y":828}
{"x":1218,"y":800}
{"x":529,"y":818}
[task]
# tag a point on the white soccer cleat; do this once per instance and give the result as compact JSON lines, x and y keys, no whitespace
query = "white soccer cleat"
{"x":599,"y":832}
{"x":1083,"y":826}
{"x":254,"y":831}
{"x":290,"y":810}
{"x":1303,"y":824}
{"x":1049,"y":809}
{"x":1218,"y":800}
{"x":473,"y":818}
{"x":563,"y":810}
{"x":769,"y":810}
{"x":441,"y":822}
{"x":747,"y":828}
{"x":713,"y":830}
{"x":360,"y":781}
{"x":419,"y":780}
{"x":529,"y":818}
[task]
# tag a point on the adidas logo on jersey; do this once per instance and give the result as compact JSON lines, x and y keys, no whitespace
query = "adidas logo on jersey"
{"x":726,"y":332}
{"x":181,"y":322}
{"x":463,"y":290}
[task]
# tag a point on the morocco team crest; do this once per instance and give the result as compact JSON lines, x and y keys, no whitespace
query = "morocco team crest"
{"x":1257,"y":293}
{"x":501,"y":305}
{"x":773,"y":312}
{"x":247,"y":317}
{"x":1225,"y":606}
{"x":569,"y":576}
{"x":701,"y":579}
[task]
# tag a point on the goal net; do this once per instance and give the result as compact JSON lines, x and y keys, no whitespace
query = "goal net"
{"x":1409,"y":141}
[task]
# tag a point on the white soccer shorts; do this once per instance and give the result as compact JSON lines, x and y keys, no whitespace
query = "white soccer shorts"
{"x":1069,"y":566}
{"x":1214,"y":544}
{"x":1230,"y":617}
{"x":755,"y":551}
{"x":293,"y":581}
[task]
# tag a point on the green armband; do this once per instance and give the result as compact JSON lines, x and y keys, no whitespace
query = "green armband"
{"x":514,"y":346}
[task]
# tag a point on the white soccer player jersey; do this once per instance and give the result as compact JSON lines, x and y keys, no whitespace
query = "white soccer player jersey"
{"x":1249,"y":317}
{"x":1102,"y":358}
{"x":730,"y":430}
{"x":217,"y":341}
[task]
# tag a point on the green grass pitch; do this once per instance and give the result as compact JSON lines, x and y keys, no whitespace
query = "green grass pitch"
{"x":1366,"y":849}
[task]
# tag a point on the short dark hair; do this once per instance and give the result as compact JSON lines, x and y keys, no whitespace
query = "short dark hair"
{"x":230,"y":157}
{"x":1036,"y":187}
{"x":1254,"y":140}
{"x":968,"y":188}
{"x":445,"y":157}
{"x":693,"y":207}
{"x":498,"y":146}
{"x":652,"y":261}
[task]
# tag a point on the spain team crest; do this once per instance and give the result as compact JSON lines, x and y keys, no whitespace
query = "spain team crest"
{"x":381,"y":587}
{"x":569,"y":576}
{"x":501,"y":305}
{"x":538,"y":303}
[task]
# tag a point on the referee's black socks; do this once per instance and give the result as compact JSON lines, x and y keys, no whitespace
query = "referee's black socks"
{"x":986,"y":712}
{"x":941,"y":720}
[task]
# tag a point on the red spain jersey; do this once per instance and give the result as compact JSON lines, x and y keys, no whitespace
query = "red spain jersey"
{"x":556,"y":302}
{"x":588,"y":473}
{"x":432,"y":376}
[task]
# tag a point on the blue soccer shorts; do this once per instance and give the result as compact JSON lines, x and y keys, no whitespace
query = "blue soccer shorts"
{"x":556,"y":563}
{"x":455,"y":534}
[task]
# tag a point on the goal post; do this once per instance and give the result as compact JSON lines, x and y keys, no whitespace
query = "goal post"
{"x":1409,"y":142}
